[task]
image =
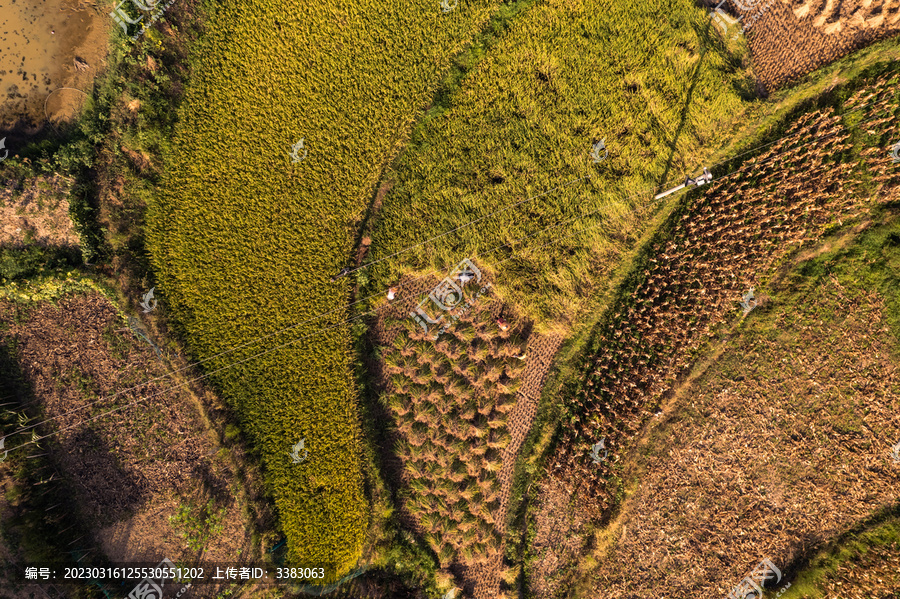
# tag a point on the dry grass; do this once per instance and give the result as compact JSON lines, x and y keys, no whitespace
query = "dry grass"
{"x":785,"y":45}
{"x":733,"y":236}
{"x":783,"y":446}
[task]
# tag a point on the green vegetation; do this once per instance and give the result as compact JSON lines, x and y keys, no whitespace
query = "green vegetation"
{"x":198,"y":523}
{"x":521,"y":124}
{"x":879,"y":537}
{"x":392,"y":553}
{"x":870,"y":263}
{"x":21,"y":263}
{"x":50,"y":287}
{"x":631,"y":273}
{"x":847,"y":149}
{"x":243,"y":240}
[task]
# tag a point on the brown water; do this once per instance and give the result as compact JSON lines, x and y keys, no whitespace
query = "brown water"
{"x":40,"y":41}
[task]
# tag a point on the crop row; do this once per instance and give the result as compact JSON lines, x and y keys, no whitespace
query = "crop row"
{"x":728,"y":237}
{"x":450,"y":400}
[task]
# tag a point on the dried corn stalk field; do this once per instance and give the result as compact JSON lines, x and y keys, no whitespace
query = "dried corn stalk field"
{"x":461,"y":408}
{"x":782,"y":445}
{"x":830,"y":166}
{"x":789,"y":39}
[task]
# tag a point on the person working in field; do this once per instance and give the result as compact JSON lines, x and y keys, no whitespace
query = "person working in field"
{"x":466,"y":276}
{"x":706,"y":177}
{"x":343,"y":273}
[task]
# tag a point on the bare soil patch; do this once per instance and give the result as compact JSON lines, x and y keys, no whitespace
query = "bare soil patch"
{"x":37,"y":212}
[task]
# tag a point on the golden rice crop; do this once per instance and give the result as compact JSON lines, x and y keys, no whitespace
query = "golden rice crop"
{"x":522,"y":123}
{"x":244,"y":239}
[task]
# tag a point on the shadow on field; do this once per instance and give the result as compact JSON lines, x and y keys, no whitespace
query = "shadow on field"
{"x":380,"y":428}
{"x":839,"y":544}
{"x":684,"y":112}
{"x":381,"y":423}
{"x":376,"y":582}
{"x":41,"y":520}
{"x":114,"y":491}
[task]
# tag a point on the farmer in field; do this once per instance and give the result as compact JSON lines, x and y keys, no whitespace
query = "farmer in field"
{"x":466,"y":276}
{"x":344,"y":272}
{"x":706,"y":177}
{"x":391,"y":292}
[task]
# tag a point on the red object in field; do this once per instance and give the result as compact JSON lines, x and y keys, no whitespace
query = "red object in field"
{"x":502,"y":324}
